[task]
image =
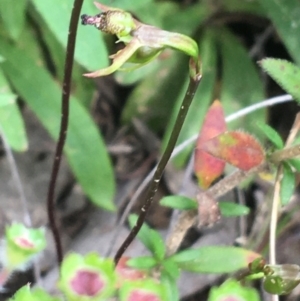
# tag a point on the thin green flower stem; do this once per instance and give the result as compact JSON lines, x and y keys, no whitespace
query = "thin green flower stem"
{"x":276,"y":196}
{"x":63,"y":126}
{"x":274,"y":216}
{"x":191,"y":90}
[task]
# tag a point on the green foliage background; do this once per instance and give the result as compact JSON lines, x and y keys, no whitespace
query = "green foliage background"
{"x":27,"y":27}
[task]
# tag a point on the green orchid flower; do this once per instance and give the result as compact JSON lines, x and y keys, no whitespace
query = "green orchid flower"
{"x":143,"y":42}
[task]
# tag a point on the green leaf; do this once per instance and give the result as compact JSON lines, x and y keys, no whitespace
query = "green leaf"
{"x":214,"y":259}
{"x":150,"y":238}
{"x":232,"y":290}
{"x":272,"y":135}
{"x":287,"y":185}
{"x":248,"y":7}
{"x":83,"y":88}
{"x":85,"y":149}
{"x":132,"y":76}
{"x":11,"y":121}
{"x":178,"y":202}
{"x":171,"y":269}
{"x":170,"y":285}
{"x":90,"y":50}
{"x":25,"y":294}
{"x":285,"y":16}
{"x":13,"y":16}
{"x":241,"y":84}
{"x":286,"y":74}
{"x":153,"y":106}
{"x":232,"y":209}
{"x":295,"y":162}
{"x":142,"y":263}
{"x":201,"y":101}
{"x":127,"y":4}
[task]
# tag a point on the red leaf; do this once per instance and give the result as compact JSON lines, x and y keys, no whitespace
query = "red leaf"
{"x":237,"y":148}
{"x":207,"y":167}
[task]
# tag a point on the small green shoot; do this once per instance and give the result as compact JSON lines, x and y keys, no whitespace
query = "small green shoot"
{"x":271,"y":134}
{"x":230,"y":209}
{"x":178,"y":202}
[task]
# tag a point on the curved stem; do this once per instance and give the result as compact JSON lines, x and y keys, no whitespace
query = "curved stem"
{"x":193,"y":85}
{"x":63,"y":126}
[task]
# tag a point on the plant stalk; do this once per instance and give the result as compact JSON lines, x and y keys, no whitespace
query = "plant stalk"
{"x":63,"y":126}
{"x":191,"y":90}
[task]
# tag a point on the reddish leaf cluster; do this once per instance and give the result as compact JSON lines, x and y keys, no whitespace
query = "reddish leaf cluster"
{"x":216,"y":146}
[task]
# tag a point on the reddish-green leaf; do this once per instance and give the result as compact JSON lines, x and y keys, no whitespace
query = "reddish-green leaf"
{"x":208,"y":167}
{"x":214,"y":259}
{"x":238,"y":148}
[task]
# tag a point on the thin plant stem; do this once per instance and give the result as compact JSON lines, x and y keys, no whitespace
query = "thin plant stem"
{"x":178,"y":149}
{"x":63,"y":126}
{"x":276,"y":196}
{"x":17,"y":180}
{"x":191,"y":90}
{"x":274,"y":216}
{"x":285,"y":154}
{"x":24,"y":202}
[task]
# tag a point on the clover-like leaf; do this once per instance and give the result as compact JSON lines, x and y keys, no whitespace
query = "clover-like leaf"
{"x":232,"y":290}
{"x":87,"y":277}
{"x":21,"y":245}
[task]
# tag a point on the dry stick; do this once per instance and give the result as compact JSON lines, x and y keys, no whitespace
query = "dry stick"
{"x":286,"y":153}
{"x":63,"y":126}
{"x":193,"y":85}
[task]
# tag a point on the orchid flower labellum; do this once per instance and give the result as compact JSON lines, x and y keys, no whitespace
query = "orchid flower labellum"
{"x":142,"y":42}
